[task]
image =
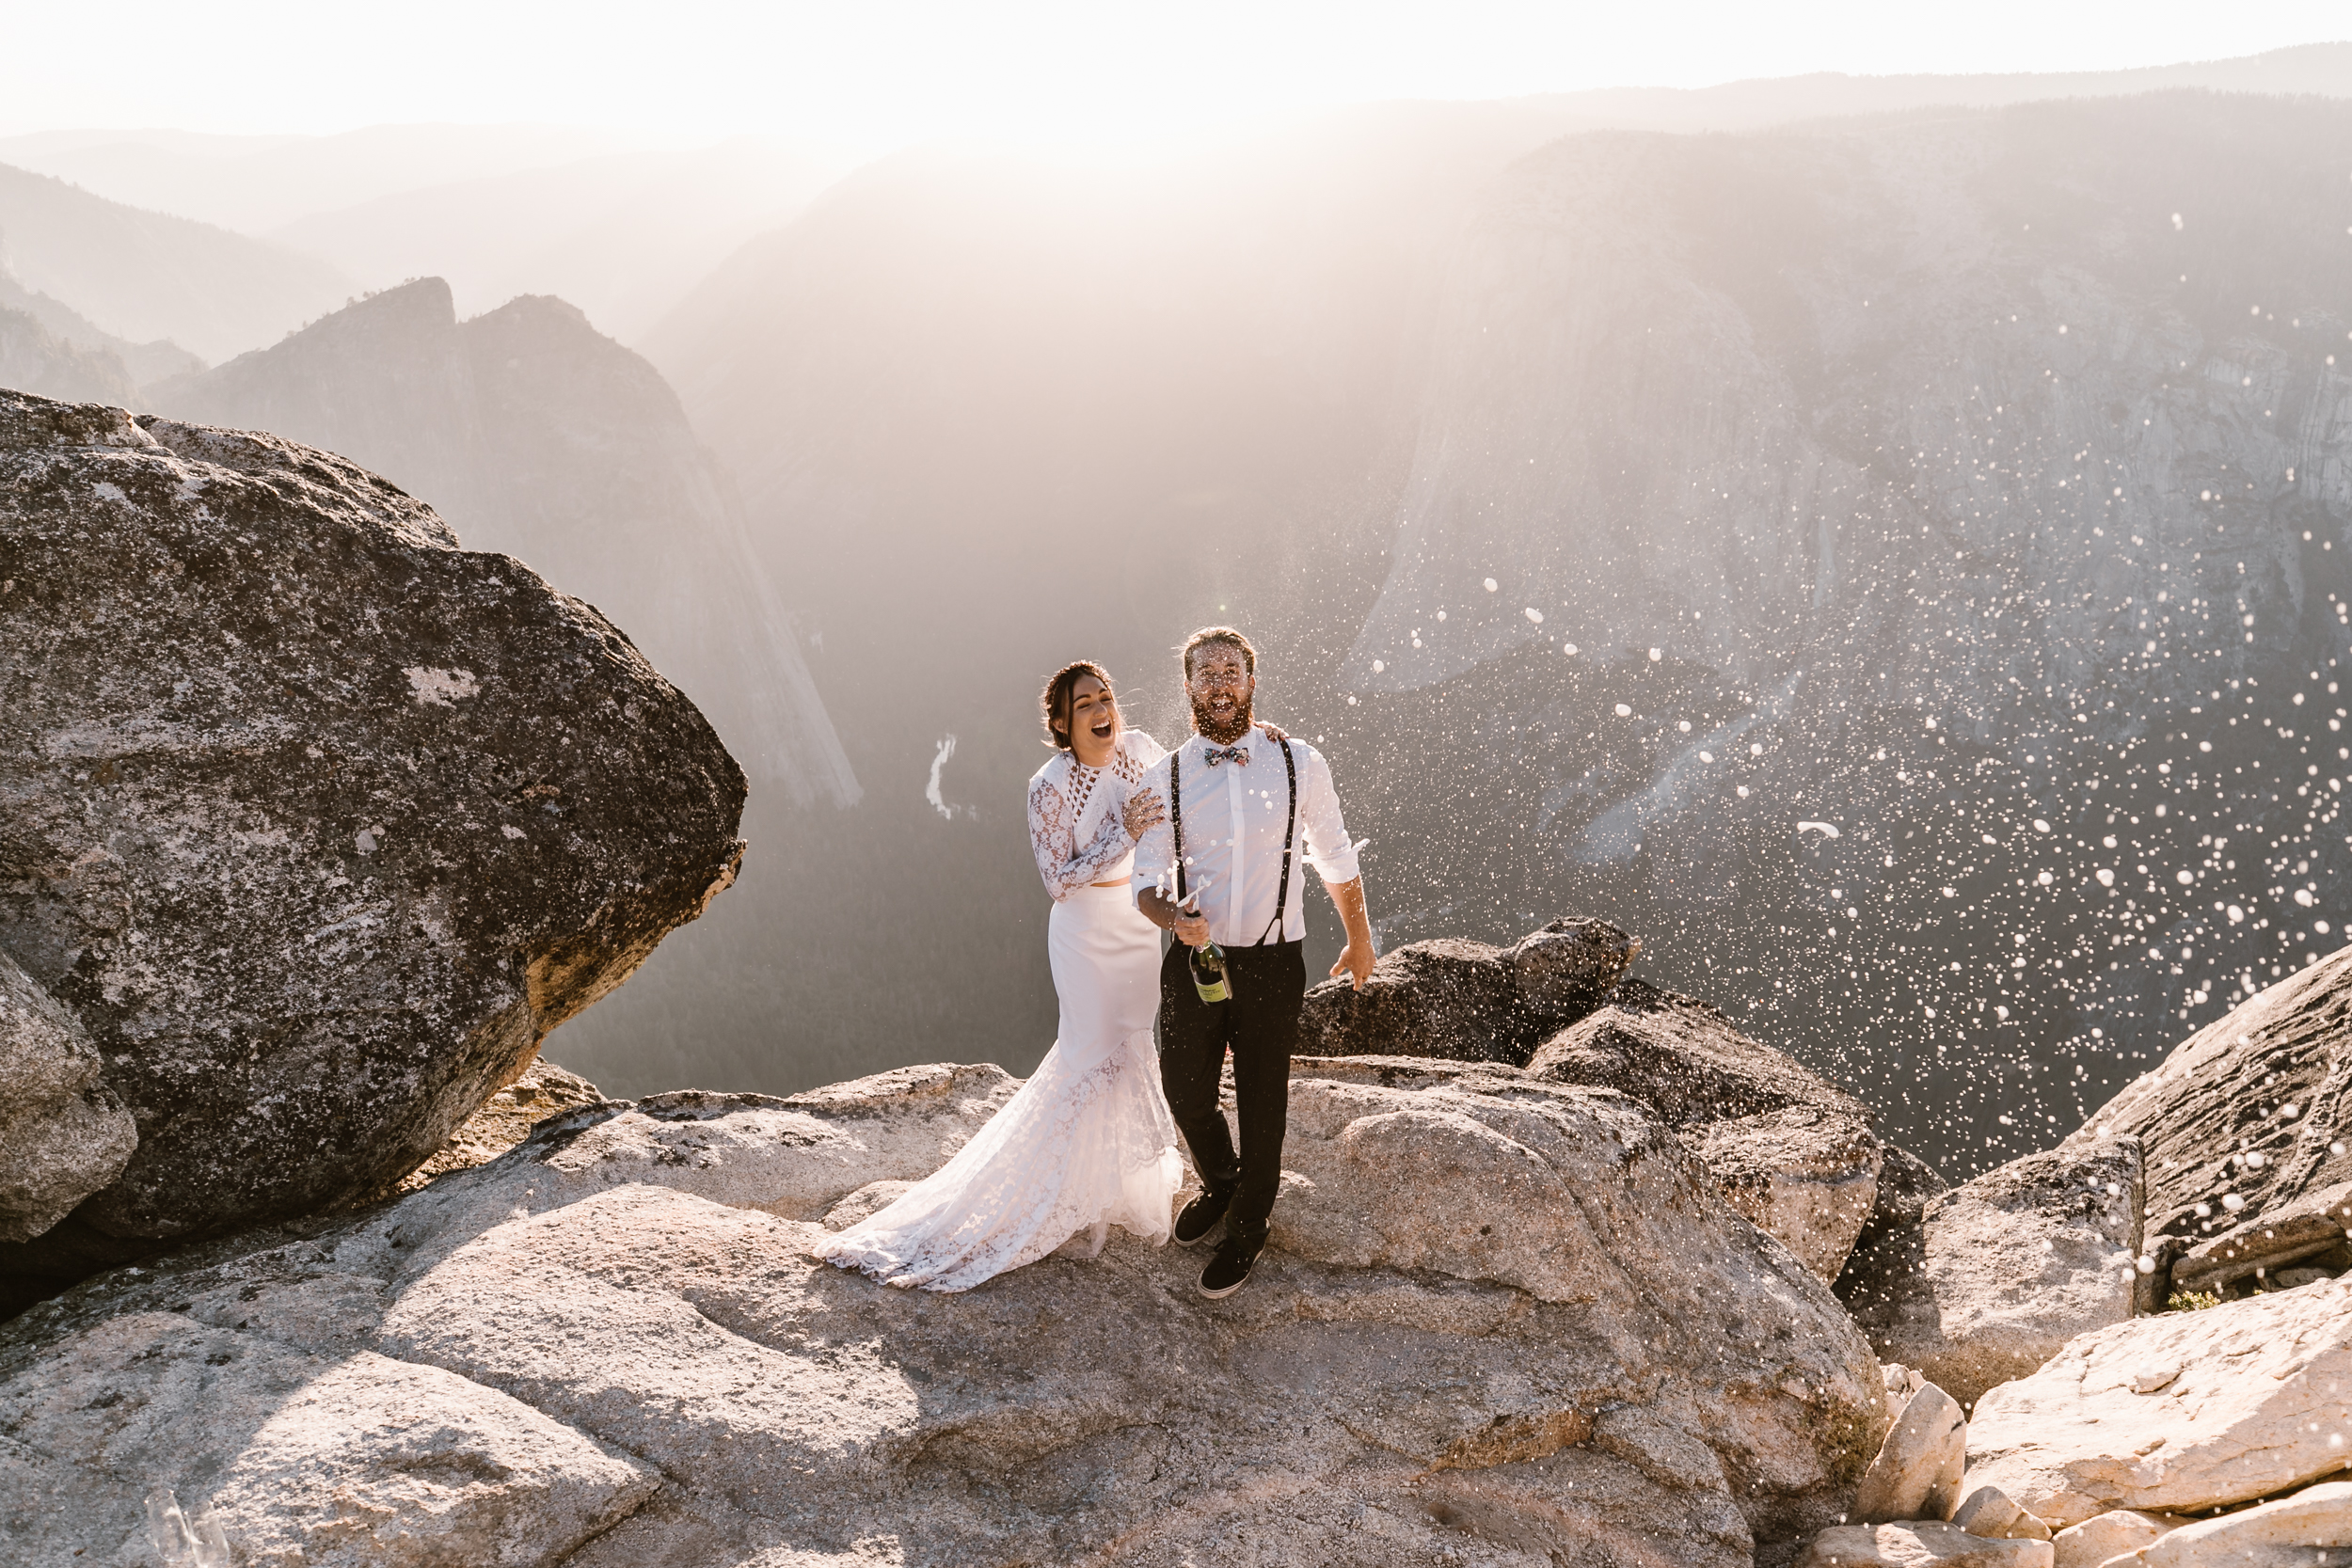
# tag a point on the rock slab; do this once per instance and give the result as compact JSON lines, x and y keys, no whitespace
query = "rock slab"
{"x":1572,"y":1350}
{"x":2244,"y":1120}
{"x":1790,"y":1151}
{"x":63,"y":1132}
{"x":1997,"y":1274}
{"x":2104,"y":1537}
{"x":2281,"y":1535}
{"x":316,"y":822}
{"x":1920,"y":1543}
{"x":1918,"y":1472}
{"x":1990,"y":1510}
{"x":1463,"y":1001}
{"x":2178,"y":1412}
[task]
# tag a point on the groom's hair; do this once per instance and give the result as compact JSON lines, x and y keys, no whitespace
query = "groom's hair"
{"x":1055,"y":699}
{"x":1226,"y":634}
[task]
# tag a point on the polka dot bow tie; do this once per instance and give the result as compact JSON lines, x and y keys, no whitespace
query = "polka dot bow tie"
{"x":1238,"y":755}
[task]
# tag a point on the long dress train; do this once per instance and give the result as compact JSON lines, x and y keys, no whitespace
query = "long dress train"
{"x":1088,"y":1142}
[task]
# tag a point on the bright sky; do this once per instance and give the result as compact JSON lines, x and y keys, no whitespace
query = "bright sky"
{"x":875,"y":73}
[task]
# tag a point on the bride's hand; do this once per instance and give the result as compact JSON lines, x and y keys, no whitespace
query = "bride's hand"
{"x":1143,"y":812}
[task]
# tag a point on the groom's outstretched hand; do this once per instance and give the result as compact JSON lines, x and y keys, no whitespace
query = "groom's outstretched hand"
{"x":1356,"y":957}
{"x":1355,"y":961}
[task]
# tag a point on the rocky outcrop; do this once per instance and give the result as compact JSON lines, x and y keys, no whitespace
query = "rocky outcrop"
{"x":63,"y":1132}
{"x":1989,"y":1510}
{"x":1994,"y":1276}
{"x":1466,"y":1001}
{"x":1919,"y":1543}
{"x":1918,"y":1472}
{"x":1794,"y":1154}
{"x":1507,"y":1311}
{"x":503,"y":1120}
{"x":2177,"y":1412}
{"x":2245,"y":1126}
{"x":315,"y":822}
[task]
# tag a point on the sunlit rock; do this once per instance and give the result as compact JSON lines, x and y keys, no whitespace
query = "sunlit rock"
{"x":1509,"y":1309}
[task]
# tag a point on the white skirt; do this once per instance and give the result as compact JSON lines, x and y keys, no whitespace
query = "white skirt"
{"x":1086,"y":1144}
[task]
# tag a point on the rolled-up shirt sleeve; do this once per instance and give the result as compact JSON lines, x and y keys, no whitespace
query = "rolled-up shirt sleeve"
{"x":1328,"y":848}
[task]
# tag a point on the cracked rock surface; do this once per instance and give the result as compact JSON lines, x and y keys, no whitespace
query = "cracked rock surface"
{"x":1508,"y":1321}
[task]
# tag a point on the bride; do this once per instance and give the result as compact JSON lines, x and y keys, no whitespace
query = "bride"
{"x":1088,"y":1142}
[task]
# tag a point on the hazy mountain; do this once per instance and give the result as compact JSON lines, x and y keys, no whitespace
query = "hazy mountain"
{"x":142,"y":362}
{"x":2322,"y":69}
{"x":625,"y":237}
{"x":1756,"y":402}
{"x":257,"y":183}
{"x":140,"y":276}
{"x":621,"y":231}
{"x":34,"y":359}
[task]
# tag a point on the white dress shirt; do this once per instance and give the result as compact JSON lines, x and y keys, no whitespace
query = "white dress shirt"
{"x":1234,"y":818}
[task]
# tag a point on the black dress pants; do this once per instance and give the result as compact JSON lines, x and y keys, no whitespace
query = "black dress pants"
{"x":1259,"y":1025}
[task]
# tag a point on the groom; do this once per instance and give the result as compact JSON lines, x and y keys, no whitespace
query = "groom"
{"x":1244,"y":809}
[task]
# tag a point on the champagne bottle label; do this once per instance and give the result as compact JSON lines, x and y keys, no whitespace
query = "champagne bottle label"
{"x":1209,"y":978}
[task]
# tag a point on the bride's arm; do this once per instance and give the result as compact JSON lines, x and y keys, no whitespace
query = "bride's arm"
{"x":1062,"y":862}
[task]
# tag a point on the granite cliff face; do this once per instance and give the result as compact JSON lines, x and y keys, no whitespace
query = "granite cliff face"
{"x":314,"y":822}
{"x":1904,"y":564}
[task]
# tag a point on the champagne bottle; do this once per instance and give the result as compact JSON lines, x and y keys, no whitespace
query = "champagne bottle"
{"x":1208,"y":962}
{"x":1208,"y":974}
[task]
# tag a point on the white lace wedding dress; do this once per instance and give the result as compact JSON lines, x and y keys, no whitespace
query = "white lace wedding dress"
{"x":1088,"y":1142}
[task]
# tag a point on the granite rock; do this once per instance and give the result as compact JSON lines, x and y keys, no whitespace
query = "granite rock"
{"x":1502,"y":1320}
{"x":2104,"y":1537}
{"x":1990,"y":1510}
{"x":2308,"y":1527}
{"x":1918,"y":1472}
{"x":2177,"y":1412}
{"x":318,"y":823}
{"x":1918,"y":1544}
{"x":1793,"y":1153}
{"x":63,"y":1132}
{"x":2242,"y":1121}
{"x":1997,"y":1274}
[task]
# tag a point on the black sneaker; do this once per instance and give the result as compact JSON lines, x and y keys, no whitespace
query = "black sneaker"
{"x":1200,"y":1216}
{"x":1228,"y":1270}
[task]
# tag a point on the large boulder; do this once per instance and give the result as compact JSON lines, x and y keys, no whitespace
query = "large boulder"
{"x":1792,"y":1152}
{"x":2177,"y":1412}
{"x":2243,"y":1120}
{"x":1500,"y":1316}
{"x":315,"y":822}
{"x":1994,"y":1276}
{"x":1920,"y":1543}
{"x":1463,"y":1001}
{"x":63,"y":1132}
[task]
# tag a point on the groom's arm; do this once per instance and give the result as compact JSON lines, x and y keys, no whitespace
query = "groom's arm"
{"x":1356,"y":959}
{"x":1334,"y":859}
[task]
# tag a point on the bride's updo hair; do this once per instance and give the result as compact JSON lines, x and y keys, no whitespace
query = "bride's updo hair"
{"x":1054,"y":700}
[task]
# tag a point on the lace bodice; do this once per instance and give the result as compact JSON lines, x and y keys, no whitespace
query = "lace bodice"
{"x":1075,"y":824}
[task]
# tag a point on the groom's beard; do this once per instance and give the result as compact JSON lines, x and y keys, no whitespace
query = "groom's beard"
{"x":1225,"y":730}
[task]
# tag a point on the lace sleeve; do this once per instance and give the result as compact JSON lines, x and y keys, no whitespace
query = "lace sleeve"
{"x":1061,"y":863}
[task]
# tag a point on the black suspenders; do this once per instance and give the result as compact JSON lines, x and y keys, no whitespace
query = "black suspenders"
{"x":1290,"y":835}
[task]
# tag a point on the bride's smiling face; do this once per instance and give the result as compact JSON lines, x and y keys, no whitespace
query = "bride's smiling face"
{"x":1093,"y":722}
